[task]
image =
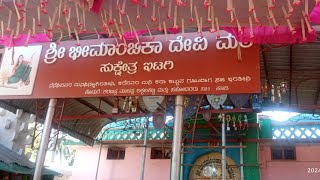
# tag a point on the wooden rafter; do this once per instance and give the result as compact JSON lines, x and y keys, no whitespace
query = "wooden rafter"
{"x":290,"y":77}
{"x":265,"y":65}
{"x":317,"y":97}
{"x":89,"y":105}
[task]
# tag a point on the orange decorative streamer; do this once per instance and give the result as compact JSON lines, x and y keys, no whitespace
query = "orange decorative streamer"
{"x":200,"y":26}
{"x":218,"y":27}
{"x":26,"y":42}
{"x":17,"y":11}
{"x":130,"y":25}
{"x":9,"y":21}
{"x":117,"y":28}
{"x":251,"y":5}
{"x":33,"y":27}
{"x":175,"y":17}
{"x":310,"y":30}
{"x":165,"y":30}
{"x":110,"y":22}
{"x":153,"y":16}
{"x":229,"y":5}
{"x":138,"y":17}
{"x":123,"y":9}
{"x":209,"y":14}
{"x":17,"y":30}
{"x":169,"y":10}
{"x":182,"y":26}
{"x":303,"y":30}
{"x":145,"y":4}
{"x":197,"y":17}
{"x":136,"y":34}
{"x":290,"y":7}
{"x":191,"y":11}
{"x":270,"y":4}
{"x":2,"y":31}
{"x":212,"y":21}
{"x":84,"y":21}
{"x":159,"y":17}
{"x":162,"y":5}
{"x":77,"y":37}
{"x":150,"y":34}
{"x":39,"y":17}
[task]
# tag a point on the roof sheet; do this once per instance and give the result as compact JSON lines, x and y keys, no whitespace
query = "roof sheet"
{"x":10,"y":161}
{"x":7,"y":156}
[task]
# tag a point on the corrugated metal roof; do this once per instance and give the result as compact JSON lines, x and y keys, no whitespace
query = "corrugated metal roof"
{"x":9,"y":157}
{"x":10,"y":161}
{"x":298,"y":64}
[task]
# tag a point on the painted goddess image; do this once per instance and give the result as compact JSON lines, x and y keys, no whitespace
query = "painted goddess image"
{"x":21,"y":71}
{"x":18,"y":70}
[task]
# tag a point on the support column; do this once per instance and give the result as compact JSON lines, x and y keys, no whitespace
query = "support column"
{"x":241,"y":162}
{"x":223,"y":140}
{"x":144,"y":153}
{"x":177,"y":137}
{"x":44,"y":140}
{"x":98,"y":164}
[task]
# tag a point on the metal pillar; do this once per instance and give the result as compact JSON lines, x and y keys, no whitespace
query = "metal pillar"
{"x":241,"y":162}
{"x":181,"y":169}
{"x":44,"y":140}
{"x":98,"y":164}
{"x":177,"y":137}
{"x":223,"y":140}
{"x":143,"y":161}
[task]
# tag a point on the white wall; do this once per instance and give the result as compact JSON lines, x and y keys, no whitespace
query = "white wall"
{"x":14,"y":129}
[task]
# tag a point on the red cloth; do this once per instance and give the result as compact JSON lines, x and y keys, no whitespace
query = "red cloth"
{"x":265,"y":35}
{"x":315,"y":14}
{"x":96,"y":6}
{"x":20,"y":41}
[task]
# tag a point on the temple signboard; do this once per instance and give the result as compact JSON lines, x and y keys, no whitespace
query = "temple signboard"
{"x":165,"y":65}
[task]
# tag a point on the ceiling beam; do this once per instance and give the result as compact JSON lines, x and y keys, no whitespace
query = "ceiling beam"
{"x":265,"y":66}
{"x":233,"y":140}
{"x":13,"y":107}
{"x":105,"y":100}
{"x":290,"y":76}
{"x":101,"y":116}
{"x":89,"y":105}
{"x":316,"y":28}
{"x":317,"y":97}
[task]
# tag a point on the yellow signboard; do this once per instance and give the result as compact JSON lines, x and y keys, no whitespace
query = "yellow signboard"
{"x":208,"y":167}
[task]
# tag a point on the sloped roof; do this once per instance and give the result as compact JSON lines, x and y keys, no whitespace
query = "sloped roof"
{"x":9,"y":157}
{"x":10,"y":161}
{"x":299,"y":66}
{"x":85,"y":129}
